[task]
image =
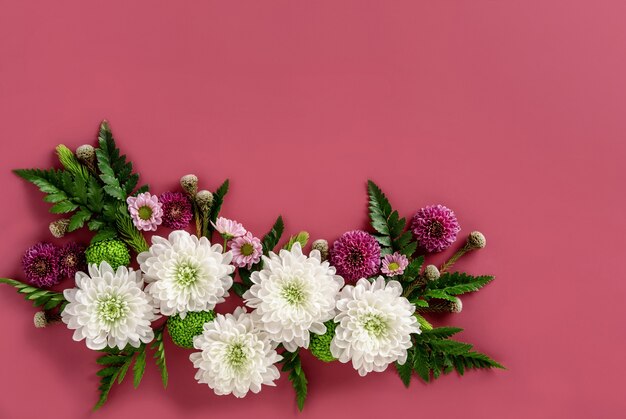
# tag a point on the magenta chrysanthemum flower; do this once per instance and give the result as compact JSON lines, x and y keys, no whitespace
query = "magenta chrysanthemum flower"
{"x":177,"y":212}
{"x":41,"y":265}
{"x":435,"y":227}
{"x":356,"y":255}
{"x":71,"y":260}
{"x":228,"y":229}
{"x":394,"y":264}
{"x":247,"y":250}
{"x":145,"y":210}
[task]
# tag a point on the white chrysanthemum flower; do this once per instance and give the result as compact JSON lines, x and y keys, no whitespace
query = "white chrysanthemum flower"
{"x":293,"y":295}
{"x":236,"y":356}
{"x":185,"y":273}
{"x":374,"y":327}
{"x":109,"y":308}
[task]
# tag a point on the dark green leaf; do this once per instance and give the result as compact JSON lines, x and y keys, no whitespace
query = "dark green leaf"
{"x":139,"y":367}
{"x":270,"y":240}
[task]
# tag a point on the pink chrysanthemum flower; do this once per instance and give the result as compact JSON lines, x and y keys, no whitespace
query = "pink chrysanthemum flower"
{"x":228,"y":229}
{"x":177,"y":211}
{"x":394,"y":264}
{"x":356,"y":255}
{"x":247,"y":250}
{"x":435,"y":227}
{"x":145,"y":210}
{"x":41,"y":265}
{"x":71,"y":260}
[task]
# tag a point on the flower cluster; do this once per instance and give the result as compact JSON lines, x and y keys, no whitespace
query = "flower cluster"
{"x":360,"y":300}
{"x":46,"y":265}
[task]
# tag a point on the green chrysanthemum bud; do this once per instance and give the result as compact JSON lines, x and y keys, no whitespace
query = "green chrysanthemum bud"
{"x":58,"y":228}
{"x":476,"y":240}
{"x":113,"y":251}
{"x":431,"y":273}
{"x":182,"y":331}
{"x":189,"y":183}
{"x":322,"y":246}
{"x":320,"y":344}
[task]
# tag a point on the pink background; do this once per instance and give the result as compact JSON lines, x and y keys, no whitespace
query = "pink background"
{"x":510,"y":112}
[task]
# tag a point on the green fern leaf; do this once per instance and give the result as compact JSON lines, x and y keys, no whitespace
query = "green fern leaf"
{"x":270,"y":240}
{"x":40,"y":298}
{"x":293,"y":365}
{"x":457,"y":283}
{"x":405,"y":371}
{"x":218,"y":200}
{"x":159,"y":354}
{"x":388,"y":224}
{"x":140,"y":367}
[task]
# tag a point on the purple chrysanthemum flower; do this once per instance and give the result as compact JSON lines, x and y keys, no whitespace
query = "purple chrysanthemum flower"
{"x":435,"y":227}
{"x":71,"y":260}
{"x":41,"y":265}
{"x":394,"y":264}
{"x":356,"y":255}
{"x":177,"y":212}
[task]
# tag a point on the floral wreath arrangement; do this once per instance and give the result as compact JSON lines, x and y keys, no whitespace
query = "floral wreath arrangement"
{"x":361,"y":300}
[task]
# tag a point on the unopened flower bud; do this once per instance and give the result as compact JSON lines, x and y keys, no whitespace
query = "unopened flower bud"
{"x":204,"y":200}
{"x":189,"y":183}
{"x":436,"y":305}
{"x":431,"y":272}
{"x":58,"y":228}
{"x":86,"y":154}
{"x":322,"y":246}
{"x":476,"y":240}
{"x":41,"y":319}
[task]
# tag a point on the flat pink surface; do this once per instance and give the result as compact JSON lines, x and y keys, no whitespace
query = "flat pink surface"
{"x":512,"y":113}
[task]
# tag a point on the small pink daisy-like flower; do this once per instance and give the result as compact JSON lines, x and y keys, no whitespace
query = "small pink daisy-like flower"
{"x":228,"y":229}
{"x":247,"y":250}
{"x":435,"y":227}
{"x":394,"y":264}
{"x":145,"y":210}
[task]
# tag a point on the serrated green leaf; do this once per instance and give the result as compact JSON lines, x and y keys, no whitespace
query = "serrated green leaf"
{"x":405,"y":371}
{"x":63,"y":207}
{"x":420,"y":303}
{"x":296,"y":376}
{"x":218,"y":200}
{"x":139,"y":367}
{"x":420,"y":362}
{"x":413,"y":269}
{"x":159,"y":354}
{"x":40,"y":298}
{"x":78,"y":219}
{"x":388,"y":224}
{"x":440,"y":333}
{"x":439,"y":294}
{"x":270,"y":240}
{"x":104,"y":234}
{"x":457,"y":283}
{"x":450,"y":347}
